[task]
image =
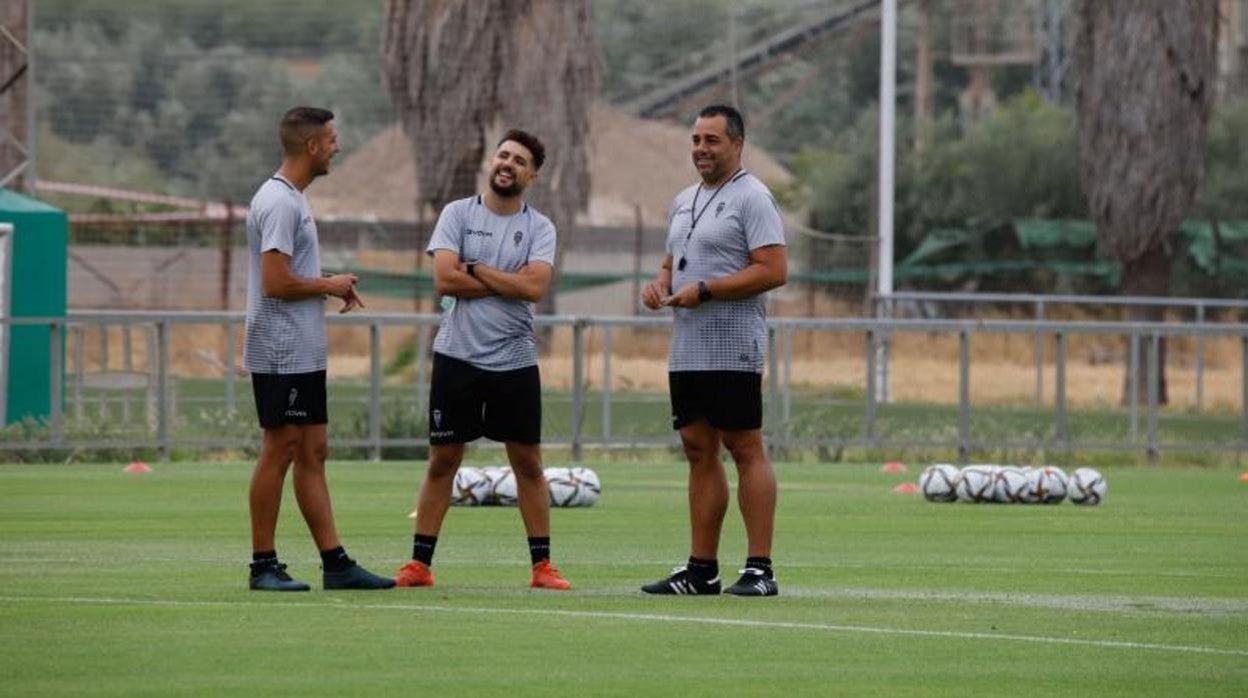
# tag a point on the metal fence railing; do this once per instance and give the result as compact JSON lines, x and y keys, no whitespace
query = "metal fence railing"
{"x":1192,"y":310}
{"x":168,"y":393}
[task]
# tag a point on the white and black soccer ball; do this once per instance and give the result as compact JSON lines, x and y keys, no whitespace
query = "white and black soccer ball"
{"x":502,"y":486}
{"x":1086,"y":487}
{"x":563,"y":487}
{"x":1046,"y":485}
{"x":589,"y":489}
{"x":939,"y":482}
{"x":975,"y":483}
{"x":1009,"y":484}
{"x":472,"y":487}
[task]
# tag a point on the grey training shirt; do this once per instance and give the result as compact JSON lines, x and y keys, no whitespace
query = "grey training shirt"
{"x":743,"y":216}
{"x":492,"y":333}
{"x":283,"y":336}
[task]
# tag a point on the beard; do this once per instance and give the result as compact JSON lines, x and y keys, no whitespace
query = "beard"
{"x":507,"y":192}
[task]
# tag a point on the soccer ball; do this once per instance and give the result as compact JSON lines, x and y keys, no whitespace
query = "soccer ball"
{"x":1009,"y":484}
{"x":472,"y":487}
{"x":1046,"y":485}
{"x":502,"y":486}
{"x":563,"y":487}
{"x":1086,"y":486}
{"x":939,"y":482}
{"x":975,"y":483}
{"x":590,"y":488}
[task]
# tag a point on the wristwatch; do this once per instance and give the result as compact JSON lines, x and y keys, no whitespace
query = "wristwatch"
{"x":704,"y":292}
{"x":471,"y":268}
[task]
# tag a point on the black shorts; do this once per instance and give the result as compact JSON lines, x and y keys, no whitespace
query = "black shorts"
{"x":729,"y":400}
{"x":290,"y":398}
{"x":466,"y":403}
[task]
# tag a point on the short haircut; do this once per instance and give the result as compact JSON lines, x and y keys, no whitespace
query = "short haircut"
{"x":736,"y":124}
{"x":299,"y":124}
{"x":529,"y":141}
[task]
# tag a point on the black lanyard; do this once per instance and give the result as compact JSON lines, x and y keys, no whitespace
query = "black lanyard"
{"x":693,"y":220}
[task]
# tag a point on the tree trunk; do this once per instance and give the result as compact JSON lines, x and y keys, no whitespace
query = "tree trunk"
{"x":460,"y":73}
{"x":1144,"y":72}
{"x":1148,"y":275}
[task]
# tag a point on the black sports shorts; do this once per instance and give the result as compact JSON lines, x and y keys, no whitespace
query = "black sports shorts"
{"x":290,"y":398}
{"x":729,"y":400}
{"x":466,"y":403}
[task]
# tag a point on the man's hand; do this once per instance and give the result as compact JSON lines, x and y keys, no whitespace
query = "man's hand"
{"x":652,"y":295}
{"x":686,"y":297}
{"x":341,"y":285}
{"x":352,"y":301}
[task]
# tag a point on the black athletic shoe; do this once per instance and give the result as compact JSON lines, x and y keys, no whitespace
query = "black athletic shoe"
{"x":271,"y":576}
{"x":683,"y":582}
{"x":754,"y":582}
{"x":356,"y":577}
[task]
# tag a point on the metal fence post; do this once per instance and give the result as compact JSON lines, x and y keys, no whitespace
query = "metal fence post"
{"x":1200,"y":359}
{"x":1154,"y":350}
{"x":773,"y":388}
{"x":1039,"y":355}
{"x":786,"y":412}
{"x":374,"y":391}
{"x":964,"y":395}
{"x":869,"y":430}
{"x":606,"y":384}
{"x":1133,"y":386}
{"x":422,"y":352}
{"x":162,"y":389}
{"x":1243,"y":390}
{"x":127,"y":365}
{"x":1059,"y":390}
{"x":231,"y":400}
{"x":578,"y":390}
{"x":56,"y":390}
{"x":79,"y":358}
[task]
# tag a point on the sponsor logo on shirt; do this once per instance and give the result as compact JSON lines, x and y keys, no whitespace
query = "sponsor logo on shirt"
{"x":480,"y":233}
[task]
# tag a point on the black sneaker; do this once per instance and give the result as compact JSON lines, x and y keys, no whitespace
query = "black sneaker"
{"x":683,"y":582}
{"x":271,"y":576}
{"x":754,"y":582}
{"x":356,"y":577}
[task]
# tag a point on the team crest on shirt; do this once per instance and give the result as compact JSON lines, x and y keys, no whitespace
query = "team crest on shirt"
{"x":516,"y":237}
{"x":720,"y":208}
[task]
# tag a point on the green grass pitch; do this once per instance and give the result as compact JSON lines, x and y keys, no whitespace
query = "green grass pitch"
{"x":134,"y":585}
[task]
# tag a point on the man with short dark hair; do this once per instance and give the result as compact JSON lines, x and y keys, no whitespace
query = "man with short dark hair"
{"x":285,"y":350}
{"x":725,"y":249}
{"x":493,"y":258}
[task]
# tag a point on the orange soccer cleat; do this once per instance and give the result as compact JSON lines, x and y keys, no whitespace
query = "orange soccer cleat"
{"x":547,"y":577}
{"x":414,"y":574}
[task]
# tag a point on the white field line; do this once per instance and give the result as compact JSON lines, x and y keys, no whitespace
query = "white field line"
{"x":642,"y":617}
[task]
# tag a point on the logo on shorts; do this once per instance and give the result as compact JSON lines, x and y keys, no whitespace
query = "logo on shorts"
{"x":290,"y":405}
{"x":720,"y":208}
{"x":516,"y":237}
{"x":437,"y":419}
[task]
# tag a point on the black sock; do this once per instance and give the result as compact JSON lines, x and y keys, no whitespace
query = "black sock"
{"x":760,"y":563}
{"x":422,"y":548}
{"x":262,"y":559}
{"x":705,"y":569}
{"x":336,"y":560}
{"x":539,"y":549}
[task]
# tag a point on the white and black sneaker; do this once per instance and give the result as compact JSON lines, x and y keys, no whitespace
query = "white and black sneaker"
{"x":754,"y":582}
{"x":684,"y":582}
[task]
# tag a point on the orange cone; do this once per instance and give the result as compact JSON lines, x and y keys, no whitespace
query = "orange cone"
{"x":906,"y":488}
{"x":893,"y":467}
{"x":1243,"y":477}
{"x":137,"y":467}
